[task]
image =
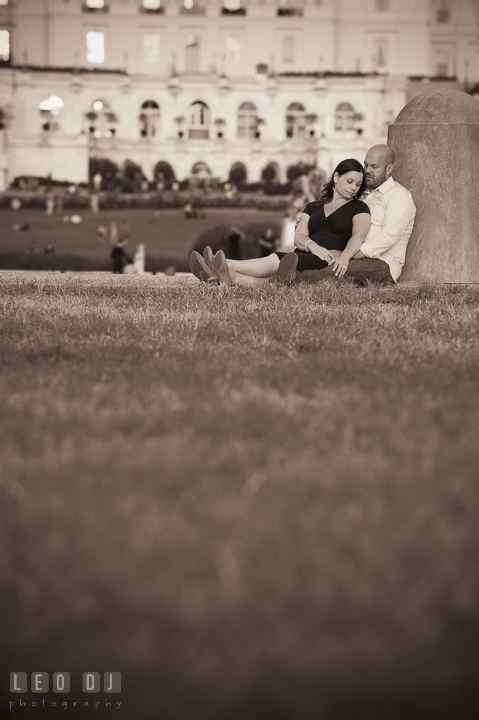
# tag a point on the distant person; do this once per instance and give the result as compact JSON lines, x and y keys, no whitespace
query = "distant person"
{"x":97,"y":179}
{"x":49,"y":249}
{"x":119,"y":257}
{"x":137,"y":267}
{"x":50,"y":205}
{"x":233,"y":242}
{"x":267,"y":243}
{"x":102,"y":234}
{"x":189,"y":211}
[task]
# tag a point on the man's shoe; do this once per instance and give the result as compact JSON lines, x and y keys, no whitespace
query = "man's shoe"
{"x":208,"y":256}
{"x":200,"y":269}
{"x":220,"y":269}
{"x":286,"y":273}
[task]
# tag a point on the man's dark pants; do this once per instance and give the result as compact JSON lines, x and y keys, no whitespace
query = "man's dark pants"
{"x":361,"y":272}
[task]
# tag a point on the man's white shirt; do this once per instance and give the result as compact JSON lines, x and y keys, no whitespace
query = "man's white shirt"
{"x":392,"y":219}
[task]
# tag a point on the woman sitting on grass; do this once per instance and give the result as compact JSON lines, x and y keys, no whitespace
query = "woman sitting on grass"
{"x":330,"y":231}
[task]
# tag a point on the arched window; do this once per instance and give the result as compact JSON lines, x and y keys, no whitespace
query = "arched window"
{"x":50,"y":111}
{"x":164,"y":172}
{"x":270,"y":173}
{"x":101,"y":121}
{"x":200,"y":170}
{"x":344,"y":117}
{"x":149,"y":118}
{"x":152,"y":4}
{"x":296,"y":121}
{"x":238,"y":173}
{"x":247,"y":120}
{"x":198,"y":121}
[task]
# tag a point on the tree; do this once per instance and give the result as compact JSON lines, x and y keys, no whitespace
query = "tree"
{"x":102,"y":166}
{"x":269,"y":173}
{"x":298,"y":169}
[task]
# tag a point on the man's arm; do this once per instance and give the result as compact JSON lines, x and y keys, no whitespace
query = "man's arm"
{"x":398,"y":213}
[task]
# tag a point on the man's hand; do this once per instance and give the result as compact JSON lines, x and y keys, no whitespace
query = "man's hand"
{"x":322,"y":253}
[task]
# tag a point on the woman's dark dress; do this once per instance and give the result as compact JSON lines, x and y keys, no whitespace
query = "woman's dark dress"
{"x":332,"y":232}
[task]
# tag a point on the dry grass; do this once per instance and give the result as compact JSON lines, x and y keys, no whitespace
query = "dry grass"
{"x":255,"y":504}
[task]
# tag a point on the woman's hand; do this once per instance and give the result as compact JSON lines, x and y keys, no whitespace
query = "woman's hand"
{"x":339,"y":265}
{"x":320,"y":252}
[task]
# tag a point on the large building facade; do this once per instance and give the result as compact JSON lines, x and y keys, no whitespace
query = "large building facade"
{"x":208,"y":85}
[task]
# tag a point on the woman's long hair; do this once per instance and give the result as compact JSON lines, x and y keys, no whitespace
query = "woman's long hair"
{"x":344,"y":166}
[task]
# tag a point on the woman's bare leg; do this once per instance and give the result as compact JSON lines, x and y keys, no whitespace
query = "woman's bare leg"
{"x":241,"y":279}
{"x":257,"y":268}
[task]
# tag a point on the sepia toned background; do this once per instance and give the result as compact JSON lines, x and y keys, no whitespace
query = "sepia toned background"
{"x":218,"y":88}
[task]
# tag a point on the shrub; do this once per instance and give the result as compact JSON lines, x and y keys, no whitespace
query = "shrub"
{"x":269,"y":173}
{"x":215,"y":237}
{"x":300,"y":168}
{"x":167,"y":199}
{"x":102,"y":166}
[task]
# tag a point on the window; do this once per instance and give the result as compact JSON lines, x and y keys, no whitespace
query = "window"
{"x":289,"y":7}
{"x":95,"y":47}
{"x":101,"y":121}
{"x":198,"y":121}
{"x":201,"y":168}
{"x":443,"y":11}
{"x":247,"y":120}
{"x":191,"y":7}
{"x":3,"y":2}
{"x":151,"y":48}
{"x":296,"y":121}
{"x":238,"y":173}
{"x":149,"y":117}
{"x":192,"y":53}
{"x":152,"y":4}
{"x":443,"y":15}
{"x":50,"y":110}
{"x":95,"y":6}
{"x":380,"y":59}
{"x":344,"y":117}
{"x":232,"y":7}
{"x":4,"y":45}
{"x":233,"y":50}
{"x":442,"y":62}
{"x":289,"y":50}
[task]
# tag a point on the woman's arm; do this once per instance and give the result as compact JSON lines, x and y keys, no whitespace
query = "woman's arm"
{"x":361,"y":225}
{"x":304,"y":242}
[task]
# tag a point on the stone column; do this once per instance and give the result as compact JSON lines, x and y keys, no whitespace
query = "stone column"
{"x":436,"y":141}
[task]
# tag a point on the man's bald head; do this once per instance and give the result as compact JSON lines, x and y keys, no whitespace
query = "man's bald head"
{"x":378,"y":165}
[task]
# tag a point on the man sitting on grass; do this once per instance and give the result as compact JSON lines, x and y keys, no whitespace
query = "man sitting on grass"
{"x":383,"y":252}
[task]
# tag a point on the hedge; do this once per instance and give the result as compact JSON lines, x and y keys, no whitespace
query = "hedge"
{"x":82,"y":263}
{"x":168,"y":199}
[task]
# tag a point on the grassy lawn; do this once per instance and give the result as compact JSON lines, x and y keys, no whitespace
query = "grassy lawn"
{"x":255,"y":504}
{"x":164,"y":232}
